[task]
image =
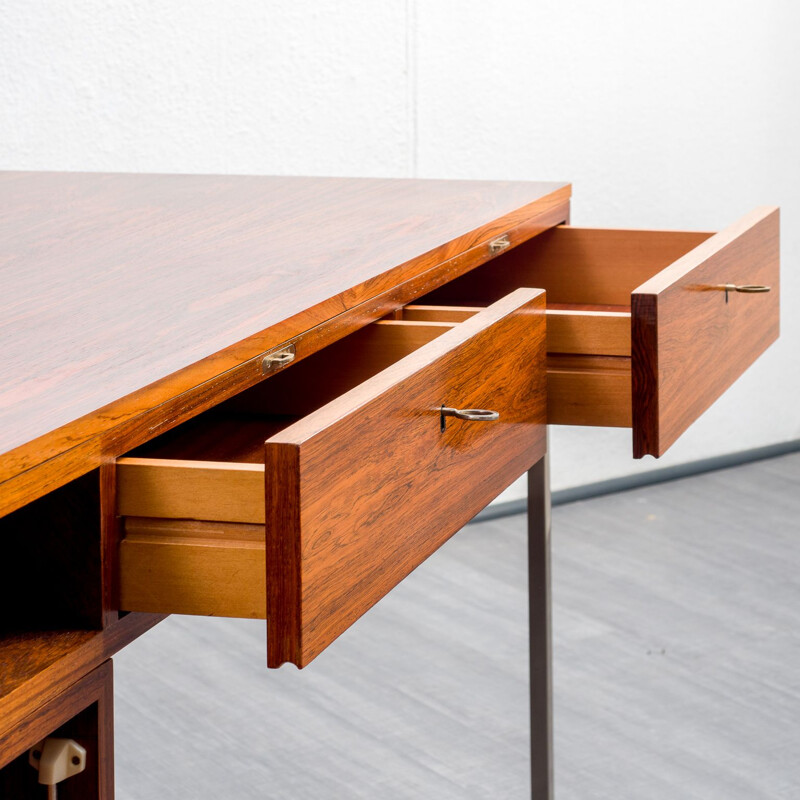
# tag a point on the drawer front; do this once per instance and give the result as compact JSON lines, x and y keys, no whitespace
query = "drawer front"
{"x":640,"y":332}
{"x":690,"y":339}
{"x":360,"y":492}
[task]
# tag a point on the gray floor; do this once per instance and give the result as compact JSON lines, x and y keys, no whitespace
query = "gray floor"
{"x":677,"y":667}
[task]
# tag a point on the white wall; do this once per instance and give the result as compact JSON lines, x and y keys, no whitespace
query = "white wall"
{"x":679,"y":114}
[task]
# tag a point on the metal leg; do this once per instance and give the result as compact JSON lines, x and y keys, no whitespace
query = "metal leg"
{"x":541,"y":684}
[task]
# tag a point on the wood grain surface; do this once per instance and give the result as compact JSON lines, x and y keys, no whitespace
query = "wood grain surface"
{"x":182,"y":489}
{"x":653,"y":295}
{"x":592,"y":330}
{"x":212,"y":468}
{"x":362,"y":491}
{"x":132,"y":302}
{"x":689,"y":345}
{"x":425,"y":313}
{"x":84,"y":712}
{"x":582,"y":388}
{"x":409,"y":499}
{"x":184,"y":566}
{"x":589,"y":390}
{"x":598,"y":333}
{"x":576,"y":266}
{"x":337,"y":369}
{"x":39,"y":666}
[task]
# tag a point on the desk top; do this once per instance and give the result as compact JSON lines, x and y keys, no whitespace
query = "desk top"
{"x":112,"y":282}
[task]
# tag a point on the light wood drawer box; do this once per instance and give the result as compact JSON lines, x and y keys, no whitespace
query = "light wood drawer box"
{"x":640,"y":329}
{"x":307,"y":498}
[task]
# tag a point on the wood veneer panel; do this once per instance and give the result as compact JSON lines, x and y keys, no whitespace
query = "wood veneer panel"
{"x":359,"y":493}
{"x":84,"y":712}
{"x":331,"y":372}
{"x":689,"y":344}
{"x":180,"y":282}
{"x":438,"y":313}
{"x":592,"y":330}
{"x":176,"y":489}
{"x":221,"y":434}
{"x":581,"y":391}
{"x":38,"y":667}
{"x":606,"y":333}
{"x":193,"y":567}
{"x":574,"y":266}
{"x":589,"y":390}
{"x":212,"y":468}
{"x":593,"y":266}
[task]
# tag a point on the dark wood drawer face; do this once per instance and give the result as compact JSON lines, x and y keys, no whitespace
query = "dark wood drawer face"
{"x":252,"y":511}
{"x":641,"y":331}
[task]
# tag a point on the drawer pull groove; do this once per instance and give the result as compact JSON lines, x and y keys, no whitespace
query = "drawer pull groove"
{"x":470,"y":414}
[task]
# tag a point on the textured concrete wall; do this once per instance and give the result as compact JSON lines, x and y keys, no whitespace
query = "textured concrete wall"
{"x":680,"y":114}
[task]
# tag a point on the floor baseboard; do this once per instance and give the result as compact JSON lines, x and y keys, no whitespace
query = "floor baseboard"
{"x":628,"y":482}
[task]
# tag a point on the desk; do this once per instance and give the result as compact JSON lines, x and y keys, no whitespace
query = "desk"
{"x":275,"y":397}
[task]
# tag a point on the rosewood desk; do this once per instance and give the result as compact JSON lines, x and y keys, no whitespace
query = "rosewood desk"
{"x":274,"y":397}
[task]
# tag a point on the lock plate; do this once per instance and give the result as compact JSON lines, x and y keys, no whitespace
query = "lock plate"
{"x":278,"y":358}
{"x":499,"y":244}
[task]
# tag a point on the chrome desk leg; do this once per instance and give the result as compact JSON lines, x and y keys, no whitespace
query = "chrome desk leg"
{"x":541,"y":682}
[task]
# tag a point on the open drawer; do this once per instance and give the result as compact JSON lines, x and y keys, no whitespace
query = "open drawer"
{"x":644,"y":328}
{"x":307,"y":498}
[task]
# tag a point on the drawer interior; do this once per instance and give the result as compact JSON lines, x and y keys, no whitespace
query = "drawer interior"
{"x":192,"y":500}
{"x":212,"y":467}
{"x":589,"y":275}
{"x":581,"y":269}
{"x":235,"y":431}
